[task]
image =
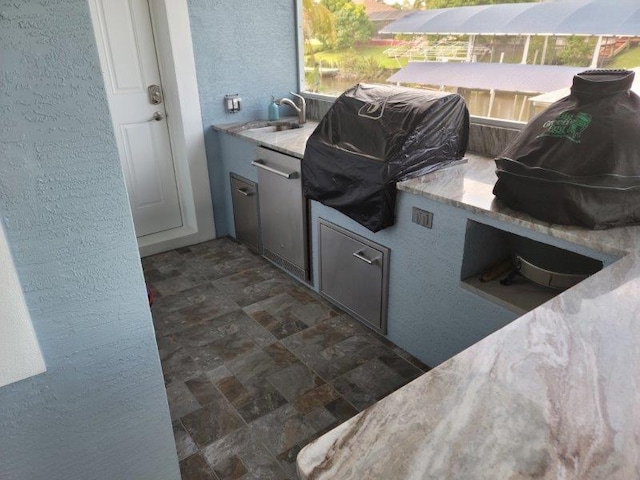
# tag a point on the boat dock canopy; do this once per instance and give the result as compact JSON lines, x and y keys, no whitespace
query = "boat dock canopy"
{"x":565,"y":17}
{"x":508,"y":77}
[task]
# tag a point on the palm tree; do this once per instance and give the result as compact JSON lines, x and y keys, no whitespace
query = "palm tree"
{"x":318,"y":22}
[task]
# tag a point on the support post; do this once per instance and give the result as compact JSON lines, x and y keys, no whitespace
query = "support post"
{"x":492,"y":98}
{"x":544,"y":49}
{"x":470,"y":47}
{"x":525,"y":52}
{"x":596,"y":53}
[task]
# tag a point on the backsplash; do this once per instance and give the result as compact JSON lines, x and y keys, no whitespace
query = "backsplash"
{"x":317,"y":108}
{"x":484,"y":139}
{"x":490,"y":140}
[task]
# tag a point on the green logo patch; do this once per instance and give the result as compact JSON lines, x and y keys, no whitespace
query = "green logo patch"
{"x":569,"y":125}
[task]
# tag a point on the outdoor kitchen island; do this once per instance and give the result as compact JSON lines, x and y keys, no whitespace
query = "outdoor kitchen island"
{"x":551,"y":394}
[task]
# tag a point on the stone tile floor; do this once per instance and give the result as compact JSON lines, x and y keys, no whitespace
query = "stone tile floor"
{"x":256,"y":365}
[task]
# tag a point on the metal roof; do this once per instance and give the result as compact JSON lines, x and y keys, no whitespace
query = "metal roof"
{"x":555,"y":95}
{"x":389,"y":15}
{"x":562,"y":17}
{"x":508,"y":77}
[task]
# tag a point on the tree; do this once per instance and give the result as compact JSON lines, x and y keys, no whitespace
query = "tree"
{"x":335,"y":5}
{"x":352,"y":23}
{"x":577,"y":51}
{"x":318,"y":22}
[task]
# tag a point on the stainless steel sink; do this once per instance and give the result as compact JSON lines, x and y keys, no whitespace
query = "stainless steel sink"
{"x":269,"y":126}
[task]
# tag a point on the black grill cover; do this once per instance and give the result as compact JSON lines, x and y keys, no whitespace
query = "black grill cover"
{"x":578,"y":162}
{"x":374,"y":136}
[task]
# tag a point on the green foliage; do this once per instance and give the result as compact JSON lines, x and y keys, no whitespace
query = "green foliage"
{"x":335,"y":58}
{"x":577,"y":51}
{"x":359,"y":67}
{"x":351,"y":24}
{"x":334,"y":5}
{"x":537,"y":45}
{"x":318,"y":22}
{"x":628,"y":59}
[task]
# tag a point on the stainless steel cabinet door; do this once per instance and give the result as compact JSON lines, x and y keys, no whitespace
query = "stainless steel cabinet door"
{"x":283,"y":211}
{"x":244,"y":195}
{"x":354,"y":274}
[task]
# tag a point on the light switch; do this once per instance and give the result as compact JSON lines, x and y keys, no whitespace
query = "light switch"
{"x":232,"y":103}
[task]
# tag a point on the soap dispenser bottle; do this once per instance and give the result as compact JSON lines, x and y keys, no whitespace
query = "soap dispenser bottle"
{"x":274,"y":111}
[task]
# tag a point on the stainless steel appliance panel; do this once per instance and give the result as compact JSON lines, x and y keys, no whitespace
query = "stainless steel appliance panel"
{"x":354,"y":274}
{"x":283,"y":211}
{"x":244,"y":195}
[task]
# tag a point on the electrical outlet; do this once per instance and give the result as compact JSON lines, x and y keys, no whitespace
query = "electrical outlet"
{"x":422,"y":217}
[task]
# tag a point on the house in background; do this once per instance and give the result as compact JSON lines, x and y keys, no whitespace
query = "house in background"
{"x":100,"y":409}
{"x":381,"y":14}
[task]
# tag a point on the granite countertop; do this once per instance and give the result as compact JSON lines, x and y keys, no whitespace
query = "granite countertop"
{"x":468,"y":186}
{"x":292,"y":142}
{"x":554,"y":394}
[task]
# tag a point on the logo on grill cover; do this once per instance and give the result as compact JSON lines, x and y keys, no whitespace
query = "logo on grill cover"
{"x":373,"y":110}
{"x":569,"y":125}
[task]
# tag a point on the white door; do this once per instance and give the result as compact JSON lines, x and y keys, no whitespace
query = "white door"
{"x":130,"y":68}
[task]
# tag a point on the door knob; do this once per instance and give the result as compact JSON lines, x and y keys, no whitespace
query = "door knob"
{"x":157,"y":116}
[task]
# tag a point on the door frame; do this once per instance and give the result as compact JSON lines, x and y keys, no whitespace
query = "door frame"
{"x":174,"y":47}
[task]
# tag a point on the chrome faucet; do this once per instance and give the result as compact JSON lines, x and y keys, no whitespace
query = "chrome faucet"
{"x":302,"y":110}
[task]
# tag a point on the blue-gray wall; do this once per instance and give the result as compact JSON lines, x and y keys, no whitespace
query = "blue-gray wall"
{"x":430,"y":314}
{"x":245,"y":47}
{"x":100,"y":411}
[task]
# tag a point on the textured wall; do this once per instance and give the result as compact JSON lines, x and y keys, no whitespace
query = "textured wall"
{"x":100,"y":410}
{"x":244,"y":47}
{"x":20,"y":355}
{"x":235,"y":155}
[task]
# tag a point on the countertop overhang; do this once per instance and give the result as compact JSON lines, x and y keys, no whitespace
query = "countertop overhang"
{"x":554,"y":394}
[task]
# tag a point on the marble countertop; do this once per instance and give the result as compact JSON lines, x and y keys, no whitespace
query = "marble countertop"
{"x":292,"y":142}
{"x":553,"y":395}
{"x":468,"y":186}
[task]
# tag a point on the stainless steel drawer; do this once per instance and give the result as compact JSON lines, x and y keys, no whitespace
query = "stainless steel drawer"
{"x":354,"y":274}
{"x":244,"y":195}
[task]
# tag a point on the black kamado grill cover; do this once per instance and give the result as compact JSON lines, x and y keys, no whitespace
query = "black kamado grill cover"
{"x":374,"y":136}
{"x":578,"y":162}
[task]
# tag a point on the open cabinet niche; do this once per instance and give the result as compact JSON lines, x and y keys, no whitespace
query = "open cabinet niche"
{"x":487,"y":247}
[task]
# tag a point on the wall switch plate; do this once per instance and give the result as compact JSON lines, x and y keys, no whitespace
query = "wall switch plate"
{"x":232,"y":103}
{"x":422,"y":217}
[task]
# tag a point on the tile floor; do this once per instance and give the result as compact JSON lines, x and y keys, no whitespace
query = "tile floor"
{"x":257,"y":365}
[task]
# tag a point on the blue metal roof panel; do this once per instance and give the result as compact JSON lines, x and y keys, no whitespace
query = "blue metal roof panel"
{"x":485,"y":20}
{"x":542,"y":20}
{"x":447,"y":20}
{"x":508,"y":77}
{"x":609,"y":17}
{"x":412,"y":23}
{"x":565,"y":17}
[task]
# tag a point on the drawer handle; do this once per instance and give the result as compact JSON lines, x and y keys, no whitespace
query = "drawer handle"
{"x":261,"y":164}
{"x":244,"y":192}
{"x":360,"y":256}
